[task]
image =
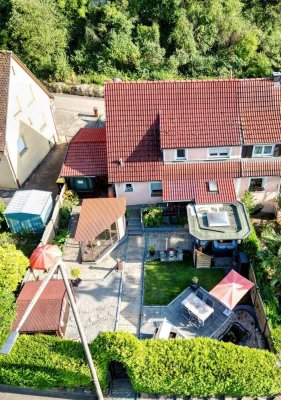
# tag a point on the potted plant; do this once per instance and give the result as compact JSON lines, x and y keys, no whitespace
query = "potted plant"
{"x":75,"y":273}
{"x":194,"y":283}
{"x":152,"y":251}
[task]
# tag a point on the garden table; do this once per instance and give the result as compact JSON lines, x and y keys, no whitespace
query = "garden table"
{"x":197,"y":307}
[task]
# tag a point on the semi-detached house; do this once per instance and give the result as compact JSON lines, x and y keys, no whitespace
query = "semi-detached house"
{"x":205,"y":141}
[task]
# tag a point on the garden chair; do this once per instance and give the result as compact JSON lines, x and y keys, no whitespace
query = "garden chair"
{"x":210,"y":303}
{"x":200,"y":295}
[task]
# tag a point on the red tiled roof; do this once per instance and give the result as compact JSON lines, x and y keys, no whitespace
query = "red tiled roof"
{"x":261,"y":168}
{"x":200,"y":114}
{"x":198,"y":191}
{"x":46,"y":313}
{"x":97,"y":215}
{"x":260,"y":111}
{"x":86,"y":155}
{"x":184,"y":114}
{"x":5,"y":59}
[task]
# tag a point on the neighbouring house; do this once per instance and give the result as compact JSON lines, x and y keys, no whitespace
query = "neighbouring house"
{"x":27,"y":127}
{"x":29,"y":211}
{"x":101,"y":226}
{"x":50,"y":313}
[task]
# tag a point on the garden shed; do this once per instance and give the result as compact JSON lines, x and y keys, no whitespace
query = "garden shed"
{"x":29,"y":210}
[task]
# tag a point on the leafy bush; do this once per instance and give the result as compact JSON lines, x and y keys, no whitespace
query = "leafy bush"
{"x":75,"y":272}
{"x":248,"y":201}
{"x":276,"y":337}
{"x":70,"y":199}
{"x":251,"y":244}
{"x":197,"y":367}
{"x":61,"y":237}
{"x":152,"y":250}
{"x":13,"y":265}
{"x":64,"y":217}
{"x":152,"y":216}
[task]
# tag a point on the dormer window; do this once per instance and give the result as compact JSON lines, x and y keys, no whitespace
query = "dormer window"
{"x":180,"y":154}
{"x":219,"y":152}
{"x":263,"y":151}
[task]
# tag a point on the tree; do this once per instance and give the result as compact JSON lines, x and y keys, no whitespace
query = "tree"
{"x":38,"y":35}
{"x":151,"y":53}
{"x":13,"y":265}
{"x":78,"y":6}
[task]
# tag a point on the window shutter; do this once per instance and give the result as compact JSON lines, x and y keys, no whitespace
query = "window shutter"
{"x":247,"y":151}
{"x":277,"y":150}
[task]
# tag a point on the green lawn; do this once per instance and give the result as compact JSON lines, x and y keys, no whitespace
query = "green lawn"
{"x":166,"y":280}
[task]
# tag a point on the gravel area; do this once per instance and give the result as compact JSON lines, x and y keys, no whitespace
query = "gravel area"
{"x":247,"y":321}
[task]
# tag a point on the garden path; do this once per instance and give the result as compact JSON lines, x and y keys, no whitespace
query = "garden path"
{"x":131,"y":296}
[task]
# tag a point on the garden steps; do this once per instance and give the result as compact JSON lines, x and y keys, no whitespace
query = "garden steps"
{"x":134,"y":226}
{"x":122,"y":389}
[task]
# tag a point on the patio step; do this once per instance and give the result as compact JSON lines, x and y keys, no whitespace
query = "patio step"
{"x":134,"y":226}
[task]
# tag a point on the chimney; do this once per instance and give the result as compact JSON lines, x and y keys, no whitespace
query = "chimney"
{"x":121,"y":163}
{"x":276,"y":76}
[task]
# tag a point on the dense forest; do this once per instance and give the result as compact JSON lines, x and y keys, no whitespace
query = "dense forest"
{"x":92,"y":41}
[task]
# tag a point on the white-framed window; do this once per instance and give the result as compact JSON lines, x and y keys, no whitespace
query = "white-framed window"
{"x":21,"y":145}
{"x":257,"y":184}
{"x":219,"y":152}
{"x":265,"y":150}
{"x":128,"y":187}
{"x":156,"y":189}
{"x":180,"y":154}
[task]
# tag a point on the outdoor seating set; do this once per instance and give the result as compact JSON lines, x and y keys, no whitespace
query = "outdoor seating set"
{"x":200,"y":305}
{"x":171,"y":254}
{"x":196,"y":309}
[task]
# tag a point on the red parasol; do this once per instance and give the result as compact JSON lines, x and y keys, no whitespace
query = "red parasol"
{"x":231,"y":289}
{"x":44,"y":256}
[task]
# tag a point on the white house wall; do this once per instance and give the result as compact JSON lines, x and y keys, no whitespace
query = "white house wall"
{"x":267,"y":196}
{"x":140,"y":195}
{"x":198,"y":154}
{"x":7,"y":180}
{"x":29,"y":115}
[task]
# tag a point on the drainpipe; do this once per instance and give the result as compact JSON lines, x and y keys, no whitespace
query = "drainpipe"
{"x":6,"y":154}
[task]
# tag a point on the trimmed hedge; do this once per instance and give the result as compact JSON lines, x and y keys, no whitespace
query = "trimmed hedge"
{"x":45,"y":362}
{"x":198,"y":367}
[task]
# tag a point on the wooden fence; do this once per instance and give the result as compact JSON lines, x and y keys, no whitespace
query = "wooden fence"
{"x":260,"y":310}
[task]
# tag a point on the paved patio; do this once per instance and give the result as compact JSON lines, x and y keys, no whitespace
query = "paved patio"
{"x":97,"y":296}
{"x":153,"y":315}
{"x":177,"y":239}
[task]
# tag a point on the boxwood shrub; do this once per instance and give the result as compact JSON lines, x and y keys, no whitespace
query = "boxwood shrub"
{"x":198,"y":367}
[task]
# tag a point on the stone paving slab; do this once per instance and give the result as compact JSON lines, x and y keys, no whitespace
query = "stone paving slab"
{"x":130,"y":306}
{"x":163,"y":240}
{"x":97,"y":296}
